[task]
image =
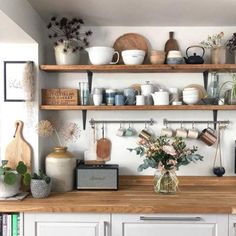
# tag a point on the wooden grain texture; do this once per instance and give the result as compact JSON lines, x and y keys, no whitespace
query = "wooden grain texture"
{"x":171,"y":43}
{"x":18,"y":149}
{"x":141,"y":108}
{"x":130,"y":41}
{"x":195,"y":195}
{"x":182,"y":68}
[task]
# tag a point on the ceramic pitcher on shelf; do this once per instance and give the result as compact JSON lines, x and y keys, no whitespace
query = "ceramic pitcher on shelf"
{"x":161,"y":97}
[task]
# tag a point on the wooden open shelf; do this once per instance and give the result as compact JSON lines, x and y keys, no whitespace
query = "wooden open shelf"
{"x":183,"y":68}
{"x":139,"y":108}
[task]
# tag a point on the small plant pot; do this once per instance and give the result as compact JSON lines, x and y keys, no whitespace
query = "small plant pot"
{"x":229,"y":99}
{"x":7,"y":190}
{"x":218,"y":55}
{"x":39,"y":188}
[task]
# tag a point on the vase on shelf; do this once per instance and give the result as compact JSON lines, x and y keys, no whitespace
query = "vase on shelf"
{"x":60,"y":166}
{"x":165,"y":181}
{"x":218,"y":55}
{"x":65,"y":54}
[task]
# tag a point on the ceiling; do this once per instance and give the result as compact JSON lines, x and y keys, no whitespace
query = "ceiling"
{"x":142,"y":12}
{"x":11,"y":32}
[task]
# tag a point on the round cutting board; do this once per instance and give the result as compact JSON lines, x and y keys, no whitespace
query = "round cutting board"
{"x":130,"y":41}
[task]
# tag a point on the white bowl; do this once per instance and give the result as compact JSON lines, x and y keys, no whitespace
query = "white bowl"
{"x":133,"y":57}
{"x":191,"y":100}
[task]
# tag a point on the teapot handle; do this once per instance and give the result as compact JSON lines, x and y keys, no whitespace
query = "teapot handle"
{"x":196,"y":46}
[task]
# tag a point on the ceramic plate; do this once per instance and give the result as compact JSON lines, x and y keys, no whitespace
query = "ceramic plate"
{"x":200,"y":88}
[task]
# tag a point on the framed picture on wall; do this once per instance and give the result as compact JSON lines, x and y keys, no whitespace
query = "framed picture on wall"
{"x":13,"y":77}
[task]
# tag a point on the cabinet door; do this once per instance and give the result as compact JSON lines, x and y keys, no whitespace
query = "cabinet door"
{"x":169,"y":225}
{"x":61,"y":224}
{"x":232,"y":225}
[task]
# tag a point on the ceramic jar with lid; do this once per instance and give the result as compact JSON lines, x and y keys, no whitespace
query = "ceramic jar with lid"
{"x":147,"y":88}
{"x":60,"y":166}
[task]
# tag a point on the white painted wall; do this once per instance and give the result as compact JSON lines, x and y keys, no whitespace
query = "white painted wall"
{"x":157,"y":37}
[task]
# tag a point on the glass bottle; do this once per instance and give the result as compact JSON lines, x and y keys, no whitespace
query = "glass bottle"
{"x":213,"y":88}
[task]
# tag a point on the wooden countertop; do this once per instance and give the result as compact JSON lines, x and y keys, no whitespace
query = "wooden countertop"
{"x":136,"y":195}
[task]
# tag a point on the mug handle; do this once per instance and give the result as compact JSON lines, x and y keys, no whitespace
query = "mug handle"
{"x":118,"y":58}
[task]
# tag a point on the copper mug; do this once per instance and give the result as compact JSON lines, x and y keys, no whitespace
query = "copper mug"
{"x":208,"y":136}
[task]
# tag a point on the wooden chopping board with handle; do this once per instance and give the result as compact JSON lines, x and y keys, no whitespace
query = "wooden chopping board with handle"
{"x":18,"y":149}
{"x":103,"y":148}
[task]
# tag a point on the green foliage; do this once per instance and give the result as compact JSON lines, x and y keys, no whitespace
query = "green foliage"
{"x":10,"y":175}
{"x":41,"y":176}
{"x":233,"y":84}
{"x":165,"y":153}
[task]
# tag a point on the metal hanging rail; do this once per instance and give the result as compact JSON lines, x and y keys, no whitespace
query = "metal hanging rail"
{"x":166,"y":122}
{"x":149,"y":122}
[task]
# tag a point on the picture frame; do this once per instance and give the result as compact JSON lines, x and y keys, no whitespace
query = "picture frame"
{"x":13,"y":76}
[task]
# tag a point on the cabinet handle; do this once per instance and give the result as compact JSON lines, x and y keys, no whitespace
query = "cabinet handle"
{"x":171,"y":218}
{"x":106,"y":228}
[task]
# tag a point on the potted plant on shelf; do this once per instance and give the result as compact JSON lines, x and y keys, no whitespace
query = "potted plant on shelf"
{"x":230,"y":93}
{"x":40,"y":185}
{"x":69,"y":40}
{"x":231,"y":45}
{"x":10,"y":180}
{"x":166,"y":156}
{"x":215,"y":43}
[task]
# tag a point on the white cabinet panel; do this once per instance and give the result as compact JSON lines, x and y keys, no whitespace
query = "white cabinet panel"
{"x":66,"y":224}
{"x":169,"y":225}
{"x":232,"y":225}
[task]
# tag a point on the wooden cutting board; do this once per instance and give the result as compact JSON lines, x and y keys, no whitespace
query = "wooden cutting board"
{"x":18,"y":149}
{"x":130,"y":41}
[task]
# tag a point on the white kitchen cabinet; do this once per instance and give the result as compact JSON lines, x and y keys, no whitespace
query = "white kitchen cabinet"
{"x":169,"y":225}
{"x":232,"y":225}
{"x":66,"y":224}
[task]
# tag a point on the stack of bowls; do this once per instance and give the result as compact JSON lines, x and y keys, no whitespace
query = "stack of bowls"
{"x":190,"y":96}
{"x":133,"y":57}
{"x":174,"y":57}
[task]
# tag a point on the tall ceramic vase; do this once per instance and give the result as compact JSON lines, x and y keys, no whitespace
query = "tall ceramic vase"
{"x":60,"y":166}
{"x":218,"y":55}
{"x":68,"y":57}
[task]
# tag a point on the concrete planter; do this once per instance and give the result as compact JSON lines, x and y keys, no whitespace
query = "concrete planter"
{"x":39,"y":188}
{"x":9,"y":190}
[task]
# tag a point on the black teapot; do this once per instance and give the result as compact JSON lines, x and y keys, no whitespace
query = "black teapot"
{"x":194,"y":59}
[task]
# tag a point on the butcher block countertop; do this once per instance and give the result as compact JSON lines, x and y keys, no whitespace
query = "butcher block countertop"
{"x":136,"y":195}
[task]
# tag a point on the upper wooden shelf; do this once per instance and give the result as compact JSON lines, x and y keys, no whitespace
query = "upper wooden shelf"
{"x":183,"y":68}
{"x":141,"y":108}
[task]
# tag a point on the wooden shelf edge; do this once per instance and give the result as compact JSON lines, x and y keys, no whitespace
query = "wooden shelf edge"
{"x":147,"y":68}
{"x":139,"y":108}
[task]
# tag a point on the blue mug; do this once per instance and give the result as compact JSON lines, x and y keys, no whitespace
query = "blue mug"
{"x":119,"y":100}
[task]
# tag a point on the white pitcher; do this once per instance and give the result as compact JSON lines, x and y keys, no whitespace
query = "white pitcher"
{"x":161,"y":97}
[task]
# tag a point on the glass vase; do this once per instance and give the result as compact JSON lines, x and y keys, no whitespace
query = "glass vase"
{"x":165,"y":181}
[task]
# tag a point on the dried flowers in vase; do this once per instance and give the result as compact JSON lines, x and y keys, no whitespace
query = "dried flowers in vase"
{"x":231,"y":43}
{"x":68,"y":32}
{"x":166,"y":156}
{"x":70,"y":132}
{"x":213,"y":41}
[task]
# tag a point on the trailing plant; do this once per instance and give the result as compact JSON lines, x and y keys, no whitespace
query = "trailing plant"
{"x":233,"y":87}
{"x":68,"y":32}
{"x":41,"y":176}
{"x":231,"y":43}
{"x":10,"y":175}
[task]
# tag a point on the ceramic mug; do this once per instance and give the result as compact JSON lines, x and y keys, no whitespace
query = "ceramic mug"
{"x":193,"y":133}
{"x":208,"y":136}
{"x":182,"y":133}
{"x":97,"y":99}
{"x":144,"y":134}
{"x":129,"y":94}
{"x":167,"y":132}
{"x":119,"y":100}
{"x":140,"y":100}
{"x":121,"y":132}
{"x":130,"y":132}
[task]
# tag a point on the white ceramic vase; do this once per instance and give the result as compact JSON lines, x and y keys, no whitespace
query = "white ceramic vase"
{"x":60,"y":166}
{"x":66,"y":58}
{"x":7,"y":190}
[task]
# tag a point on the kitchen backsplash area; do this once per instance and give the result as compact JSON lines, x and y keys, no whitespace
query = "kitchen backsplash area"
{"x":128,"y":162}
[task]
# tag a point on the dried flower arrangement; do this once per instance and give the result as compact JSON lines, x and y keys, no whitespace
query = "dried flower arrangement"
{"x":70,"y":132}
{"x":231,"y":43}
{"x":213,"y":41}
{"x":67,"y":31}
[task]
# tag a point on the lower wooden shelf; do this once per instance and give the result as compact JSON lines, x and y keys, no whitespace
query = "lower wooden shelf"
{"x":138,"y":108}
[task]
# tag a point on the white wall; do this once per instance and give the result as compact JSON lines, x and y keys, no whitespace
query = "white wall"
{"x":157,"y":37}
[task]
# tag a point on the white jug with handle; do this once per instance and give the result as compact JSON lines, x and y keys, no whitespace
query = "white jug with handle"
{"x":161,"y":97}
{"x":102,"y":55}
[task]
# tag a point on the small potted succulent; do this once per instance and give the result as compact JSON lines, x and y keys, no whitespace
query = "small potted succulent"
{"x":215,"y":43}
{"x":10,"y":179}
{"x":40,"y":185}
{"x":231,"y":45}
{"x":68,"y":39}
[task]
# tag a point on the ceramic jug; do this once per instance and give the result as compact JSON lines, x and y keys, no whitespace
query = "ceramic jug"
{"x":161,"y":97}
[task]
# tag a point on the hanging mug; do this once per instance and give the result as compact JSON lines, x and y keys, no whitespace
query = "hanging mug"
{"x":208,"y":136}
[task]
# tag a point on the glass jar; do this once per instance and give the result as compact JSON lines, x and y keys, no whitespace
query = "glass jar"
{"x":60,"y":166}
{"x":165,"y":181}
